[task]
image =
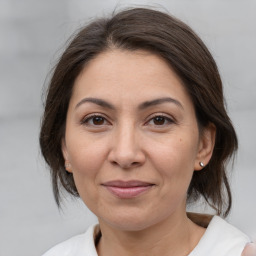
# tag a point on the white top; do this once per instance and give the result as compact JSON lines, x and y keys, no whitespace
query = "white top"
{"x":219,"y":239}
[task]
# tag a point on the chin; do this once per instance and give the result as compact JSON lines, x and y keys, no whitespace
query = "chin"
{"x":131,"y":226}
{"x":130,"y":222}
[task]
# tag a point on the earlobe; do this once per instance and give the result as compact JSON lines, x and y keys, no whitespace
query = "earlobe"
{"x":64,"y":149}
{"x":65,"y":156}
{"x":206,"y":146}
{"x":68,"y":167}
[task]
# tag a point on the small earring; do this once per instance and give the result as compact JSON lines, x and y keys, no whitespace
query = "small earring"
{"x":201,"y":164}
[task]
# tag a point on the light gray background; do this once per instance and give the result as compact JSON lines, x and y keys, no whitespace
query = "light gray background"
{"x":31,"y":35}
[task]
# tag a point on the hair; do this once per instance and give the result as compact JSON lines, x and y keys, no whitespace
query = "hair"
{"x":162,"y":34}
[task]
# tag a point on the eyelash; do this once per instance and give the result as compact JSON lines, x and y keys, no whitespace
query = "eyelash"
{"x":166,"y":119}
{"x":86,"y":120}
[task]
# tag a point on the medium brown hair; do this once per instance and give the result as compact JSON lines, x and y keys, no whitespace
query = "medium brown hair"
{"x":168,"y":37}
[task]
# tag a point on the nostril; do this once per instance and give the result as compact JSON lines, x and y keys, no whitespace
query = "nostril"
{"x":125,"y":166}
{"x":114,"y":163}
{"x":133,"y":164}
{"x":125,"y":158}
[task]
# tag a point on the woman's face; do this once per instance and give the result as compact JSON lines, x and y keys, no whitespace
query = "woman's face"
{"x":132,"y":139}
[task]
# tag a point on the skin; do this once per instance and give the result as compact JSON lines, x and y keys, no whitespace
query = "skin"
{"x":128,"y":142}
{"x":249,"y":250}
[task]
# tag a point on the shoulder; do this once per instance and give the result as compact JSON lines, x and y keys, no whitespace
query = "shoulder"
{"x":75,"y":246}
{"x":221,"y":239}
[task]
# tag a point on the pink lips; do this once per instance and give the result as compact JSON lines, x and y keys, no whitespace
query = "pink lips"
{"x":127,"y":189}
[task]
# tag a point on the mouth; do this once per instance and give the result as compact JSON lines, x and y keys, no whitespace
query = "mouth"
{"x":127,"y":189}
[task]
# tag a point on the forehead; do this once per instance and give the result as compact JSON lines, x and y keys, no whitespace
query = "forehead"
{"x":128,"y":76}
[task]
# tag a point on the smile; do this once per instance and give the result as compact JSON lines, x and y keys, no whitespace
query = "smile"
{"x":127,"y":189}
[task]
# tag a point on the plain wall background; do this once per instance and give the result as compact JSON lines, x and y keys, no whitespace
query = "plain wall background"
{"x":32,"y":34}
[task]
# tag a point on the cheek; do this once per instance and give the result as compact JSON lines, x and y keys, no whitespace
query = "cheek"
{"x":86,"y":157}
{"x":174,"y":160}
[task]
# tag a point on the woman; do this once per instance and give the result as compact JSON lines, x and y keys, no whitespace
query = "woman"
{"x":135,"y":125}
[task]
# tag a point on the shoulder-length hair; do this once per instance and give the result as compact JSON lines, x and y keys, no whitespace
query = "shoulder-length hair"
{"x":160,"y":33}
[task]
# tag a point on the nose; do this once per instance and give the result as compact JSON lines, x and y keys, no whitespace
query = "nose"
{"x":126,"y":151}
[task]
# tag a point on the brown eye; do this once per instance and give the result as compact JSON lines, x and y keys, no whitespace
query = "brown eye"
{"x":159,"y":120}
{"x":95,"y":120}
{"x":98,"y":120}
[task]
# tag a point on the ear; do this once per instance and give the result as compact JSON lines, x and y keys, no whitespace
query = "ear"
{"x":205,"y":147}
{"x":65,"y":156}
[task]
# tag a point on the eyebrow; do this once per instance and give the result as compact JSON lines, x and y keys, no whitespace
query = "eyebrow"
{"x":142,"y":106}
{"x":159,"y":101}
{"x":96,"y":101}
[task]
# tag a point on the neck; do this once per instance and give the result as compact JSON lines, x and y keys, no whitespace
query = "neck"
{"x":173,"y":236}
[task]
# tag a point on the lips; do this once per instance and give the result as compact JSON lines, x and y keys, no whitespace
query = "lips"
{"x":127,"y":189}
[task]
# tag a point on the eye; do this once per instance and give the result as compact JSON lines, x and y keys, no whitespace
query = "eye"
{"x":160,"y":120}
{"x":95,"y":120}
